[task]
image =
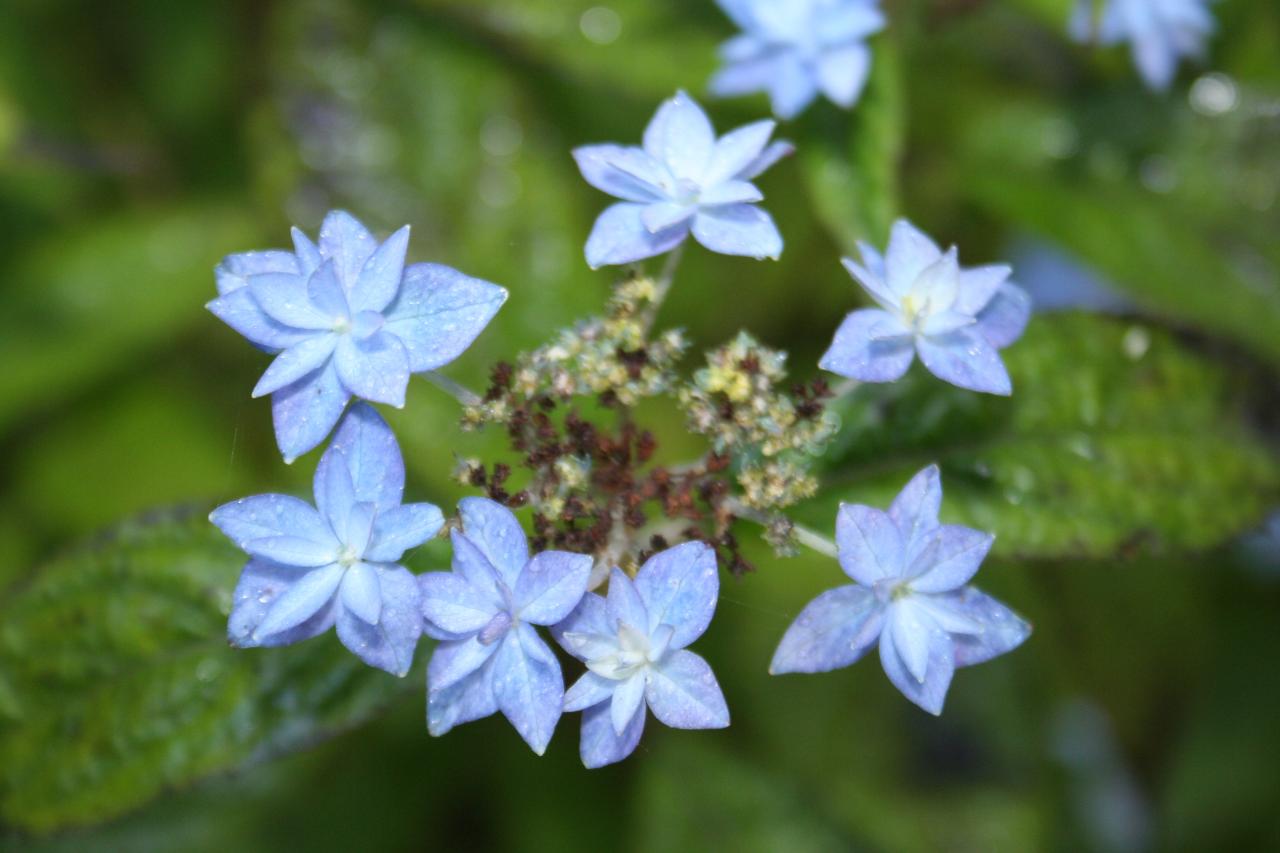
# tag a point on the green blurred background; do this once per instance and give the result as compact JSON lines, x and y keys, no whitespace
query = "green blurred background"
{"x":140,"y":141}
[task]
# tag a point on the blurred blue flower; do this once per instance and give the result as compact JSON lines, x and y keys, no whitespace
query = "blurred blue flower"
{"x":956,"y":319}
{"x":683,"y":180}
{"x":1159,"y":32}
{"x":633,"y":644}
{"x":796,"y":49}
{"x":490,"y":658}
{"x":347,"y":319}
{"x":909,"y":592}
{"x":312,"y":567}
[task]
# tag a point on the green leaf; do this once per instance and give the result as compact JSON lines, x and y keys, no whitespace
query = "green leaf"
{"x":850,"y":165}
{"x":1116,"y":438}
{"x":120,"y":683}
{"x":1174,"y":252}
{"x":86,"y":302}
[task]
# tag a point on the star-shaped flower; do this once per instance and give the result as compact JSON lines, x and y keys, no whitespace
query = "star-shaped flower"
{"x":310,"y":568}
{"x":347,"y":318}
{"x":956,"y":319}
{"x":796,"y":49}
{"x":633,"y":644}
{"x":1160,"y":32}
{"x":682,"y":181}
{"x":490,"y":658}
{"x":909,"y":592}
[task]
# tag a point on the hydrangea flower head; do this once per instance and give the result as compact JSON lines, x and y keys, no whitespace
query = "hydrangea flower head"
{"x":490,"y":658}
{"x":682,"y":181}
{"x":346,"y":318}
{"x":633,"y":643}
{"x":910,"y":592}
{"x":956,"y":319}
{"x":335,"y":563}
{"x":1160,"y":32}
{"x":796,"y":49}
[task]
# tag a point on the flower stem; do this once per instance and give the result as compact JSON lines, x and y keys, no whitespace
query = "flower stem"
{"x":663,"y":285}
{"x":809,"y":538}
{"x":461,"y":393}
{"x":845,"y":388}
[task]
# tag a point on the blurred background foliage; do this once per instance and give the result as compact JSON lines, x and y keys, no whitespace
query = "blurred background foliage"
{"x":141,"y":141}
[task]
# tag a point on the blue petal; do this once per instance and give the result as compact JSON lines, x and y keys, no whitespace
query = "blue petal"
{"x":375,"y":369}
{"x":361,"y":593}
{"x":347,"y":244}
{"x":261,"y":516}
{"x":745,"y":73}
{"x":471,"y":564}
{"x":869,"y":543}
{"x":495,"y":531}
{"x":439,"y":312}
{"x":848,"y":22}
{"x":620,"y":237}
{"x":951,"y":559}
{"x":965,"y":359}
{"x":628,"y":697}
{"x":910,"y":252}
{"x":872,"y":281}
{"x":366,"y":444}
{"x":233,"y":273}
{"x":589,"y":690}
{"x":240,"y":311}
{"x":624,"y":606}
{"x":978,"y":285}
{"x":307,"y":252}
{"x":915,"y":510}
{"x":679,"y":587}
{"x":379,"y":280}
{"x":842,"y":73}
{"x":791,"y":87}
{"x":664,"y":215}
{"x":870,"y":345}
{"x":730,"y":192}
{"x":454,"y":660}
{"x":528,"y":686}
{"x":327,"y":296}
{"x":309,"y":594}
{"x":736,"y":151}
{"x":551,"y":586}
{"x":767,"y":158}
{"x":259,"y":586}
{"x":293,"y":550}
{"x":1005,"y":318}
{"x":296,"y":363}
{"x":284,"y":298}
{"x":625,"y":173}
{"x":830,"y":633}
{"x":335,"y":494}
{"x":680,"y":136}
{"x":738,"y":229}
{"x":682,"y":693}
{"x":589,"y":618}
{"x":403,"y":527}
{"x":931,"y":693}
{"x":600,"y":745}
{"x":468,"y":699}
{"x":452,"y":605}
{"x":1002,"y":629}
{"x":389,"y":645}
{"x":305,"y":411}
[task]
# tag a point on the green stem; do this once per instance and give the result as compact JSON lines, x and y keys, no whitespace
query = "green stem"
{"x":809,"y":538}
{"x":461,"y":393}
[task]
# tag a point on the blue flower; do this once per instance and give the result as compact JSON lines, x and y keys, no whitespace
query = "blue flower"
{"x":956,"y":319}
{"x":312,"y":568}
{"x":633,"y":644}
{"x":1160,"y":32}
{"x":347,"y":318}
{"x":683,"y":180}
{"x":490,"y":658}
{"x":909,"y":592}
{"x":796,"y":49}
